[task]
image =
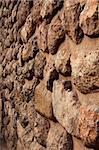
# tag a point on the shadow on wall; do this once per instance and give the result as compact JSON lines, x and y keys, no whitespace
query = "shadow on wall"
{"x":97,"y":143}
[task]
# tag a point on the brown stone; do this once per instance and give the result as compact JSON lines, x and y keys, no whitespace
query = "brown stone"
{"x":28,"y":29}
{"x":62,"y":59}
{"x":49,"y":74}
{"x":39,"y":64}
{"x":43,"y":100}
{"x":58,"y":138}
{"x":55,"y":34}
{"x":42,"y":37}
{"x":26,"y":135}
{"x":23,"y":8}
{"x":87,"y":125}
{"x":36,"y":9}
{"x":89,"y":19}
{"x":30,"y":49}
{"x":86,"y":72}
{"x":41,"y":129}
{"x":65,"y":106}
{"x":36,"y":146}
{"x":50,"y":8}
{"x":27,"y":70}
{"x":70,"y":21}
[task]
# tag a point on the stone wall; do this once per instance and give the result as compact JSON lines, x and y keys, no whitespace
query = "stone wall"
{"x":49,"y":74}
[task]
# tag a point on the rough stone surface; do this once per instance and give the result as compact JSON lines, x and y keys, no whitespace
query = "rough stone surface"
{"x":41,"y":129}
{"x":39,"y":64}
{"x":58,"y":138}
{"x":87,"y":125}
{"x":70,"y":20}
{"x":49,"y":74}
{"x":50,"y":8}
{"x":86,"y":72}
{"x":43,"y":100}
{"x":89,"y":19}
{"x":42,"y":37}
{"x":27,"y":29}
{"x":56,"y":34}
{"x":62,"y":59}
{"x":63,"y":101}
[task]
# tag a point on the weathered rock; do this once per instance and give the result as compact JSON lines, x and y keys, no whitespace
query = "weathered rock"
{"x":24,"y":121}
{"x":89,"y":19}
{"x":62,"y":59}
{"x":88,"y":99}
{"x":42,"y":41}
{"x":41,"y":129}
{"x":42,"y":37}
{"x":23,"y":8}
{"x":29,"y":88}
{"x":9,"y":84}
{"x":14,"y":13}
{"x":9,"y":54}
{"x":58,"y":138}
{"x":28,"y":29}
{"x":1,"y":70}
{"x":50,"y":72}
{"x":26,"y":136}
{"x":36,"y":9}
{"x":63,"y":101}
{"x":85,"y":72}
{"x":43,"y":100}
{"x":50,"y":8}
{"x":25,"y":110}
{"x":27,"y":70}
{"x":56,"y":34}
{"x":36,"y":146}
{"x":30,"y":49}
{"x":87,"y":125}
{"x":39,"y":64}
{"x":9,"y":39}
{"x":70,"y":20}
{"x":79,"y":120}
{"x":10,"y":122}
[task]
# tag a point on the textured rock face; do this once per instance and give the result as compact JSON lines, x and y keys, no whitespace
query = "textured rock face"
{"x":89,"y":19}
{"x":58,"y":138}
{"x":55,"y":34}
{"x":63,"y":101}
{"x":43,"y":100}
{"x":49,"y":74}
{"x":86,"y":72}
